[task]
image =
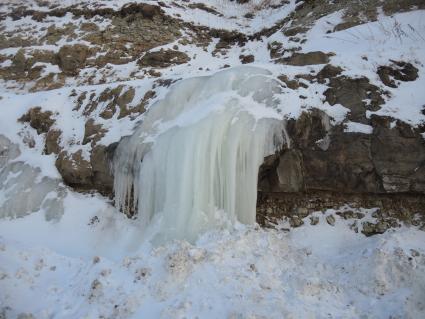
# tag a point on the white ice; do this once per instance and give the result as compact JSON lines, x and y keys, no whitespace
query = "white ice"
{"x":198,"y":151}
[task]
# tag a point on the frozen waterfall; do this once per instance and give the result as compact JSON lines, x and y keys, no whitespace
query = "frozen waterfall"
{"x":192,"y":163}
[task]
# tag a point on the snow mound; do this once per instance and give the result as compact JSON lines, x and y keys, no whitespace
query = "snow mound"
{"x":312,"y":272}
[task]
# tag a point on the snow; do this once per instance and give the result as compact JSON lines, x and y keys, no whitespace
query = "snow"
{"x":73,"y":255}
{"x":91,"y":269}
{"x":355,"y":127}
{"x":397,"y":37}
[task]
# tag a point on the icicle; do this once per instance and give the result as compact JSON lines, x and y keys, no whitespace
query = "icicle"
{"x":198,"y":152}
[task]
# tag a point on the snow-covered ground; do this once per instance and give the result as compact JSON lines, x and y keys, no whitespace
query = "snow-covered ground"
{"x":89,"y":261}
{"x":81,"y":269}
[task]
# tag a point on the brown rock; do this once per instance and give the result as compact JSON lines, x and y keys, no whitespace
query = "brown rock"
{"x":292,"y":84}
{"x":295,"y":221}
{"x":294,"y":31}
{"x":370,"y":229}
{"x":92,"y":132}
{"x":52,"y":142}
{"x":163,"y":58}
{"x":301,"y":59}
{"x":71,"y":58}
{"x":101,"y":162}
{"x":327,"y":159}
{"x":245,"y":59}
{"x":38,"y":120}
{"x":202,"y":6}
{"x":276,"y":49}
{"x":398,"y":156}
{"x":329,"y":71}
{"x":89,"y":27}
{"x":123,"y":100}
{"x":147,"y":10}
{"x":49,"y":82}
{"x":401,"y":71}
{"x":19,"y":62}
{"x":352,"y":93}
{"x":75,"y":170}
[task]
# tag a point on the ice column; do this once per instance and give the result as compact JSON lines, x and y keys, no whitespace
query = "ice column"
{"x":193,"y":160}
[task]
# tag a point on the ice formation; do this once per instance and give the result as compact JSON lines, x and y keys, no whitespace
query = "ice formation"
{"x":23,"y":189}
{"x":192,"y":163}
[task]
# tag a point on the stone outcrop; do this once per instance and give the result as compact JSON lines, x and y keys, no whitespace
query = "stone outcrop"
{"x":163,"y":58}
{"x":353,"y":93}
{"x":397,"y":71}
{"x":71,"y":58}
{"x":85,"y":174}
{"x":118,"y":100}
{"x":38,"y":120}
{"x":76,"y":171}
{"x":324,"y":158}
{"x":92,"y":132}
{"x":52,"y":142}
{"x":302,"y":59}
{"x":325,"y":167}
{"x":329,"y":167}
{"x":384,"y":169}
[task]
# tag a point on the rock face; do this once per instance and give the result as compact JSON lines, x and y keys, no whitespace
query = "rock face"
{"x":88,"y":174}
{"x":352,"y":93}
{"x":323,"y":158}
{"x":328,"y":166}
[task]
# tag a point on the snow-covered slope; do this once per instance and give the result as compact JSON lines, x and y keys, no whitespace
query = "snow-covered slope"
{"x":315,"y":271}
{"x":69,"y":254}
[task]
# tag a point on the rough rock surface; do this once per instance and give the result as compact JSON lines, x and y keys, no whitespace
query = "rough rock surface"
{"x":125,"y":44}
{"x":399,"y":70}
{"x":353,"y":93}
{"x":390,"y":160}
{"x":71,"y":58}
{"x":88,"y":174}
{"x":52,"y":142}
{"x":163,"y":58}
{"x":38,"y":120}
{"x":301,"y":59}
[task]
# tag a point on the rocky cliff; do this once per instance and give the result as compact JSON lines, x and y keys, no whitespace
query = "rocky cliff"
{"x":352,"y":102}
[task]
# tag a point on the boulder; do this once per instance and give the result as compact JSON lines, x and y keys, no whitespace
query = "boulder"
{"x":76,"y":171}
{"x":84,"y":174}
